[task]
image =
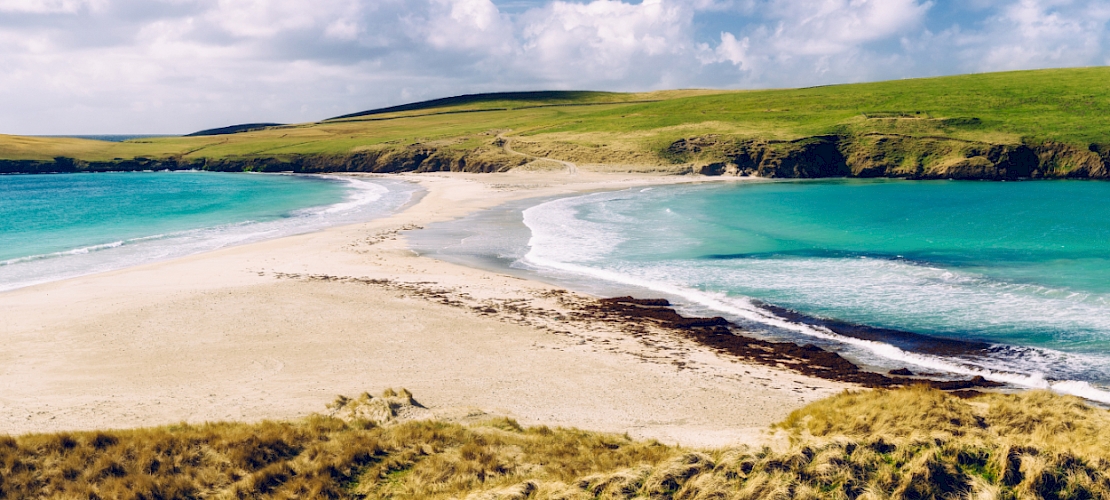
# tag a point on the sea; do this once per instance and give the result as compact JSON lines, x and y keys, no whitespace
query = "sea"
{"x":58,"y":226}
{"x":112,"y":138}
{"x":1005,"y":280}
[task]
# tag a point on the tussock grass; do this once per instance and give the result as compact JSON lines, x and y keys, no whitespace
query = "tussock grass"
{"x":902,"y":444}
{"x":1037,"y":419}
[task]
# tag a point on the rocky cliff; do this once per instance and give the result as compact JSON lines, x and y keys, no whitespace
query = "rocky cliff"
{"x":888,"y":155}
{"x":866,"y":155}
{"x":414,"y":159}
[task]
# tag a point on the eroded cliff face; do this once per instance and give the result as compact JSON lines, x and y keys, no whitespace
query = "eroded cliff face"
{"x":384,"y":161}
{"x":887,"y":155}
{"x":868,"y":155}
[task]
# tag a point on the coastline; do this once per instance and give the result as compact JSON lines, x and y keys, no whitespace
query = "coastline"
{"x":241,"y":334}
{"x":155,"y":237}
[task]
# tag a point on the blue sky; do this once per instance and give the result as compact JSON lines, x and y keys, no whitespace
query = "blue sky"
{"x":174,"y":66}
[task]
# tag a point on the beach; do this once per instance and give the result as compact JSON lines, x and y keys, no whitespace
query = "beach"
{"x":277,"y":329}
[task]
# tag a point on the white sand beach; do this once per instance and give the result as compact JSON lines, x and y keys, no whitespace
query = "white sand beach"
{"x":246,"y":333}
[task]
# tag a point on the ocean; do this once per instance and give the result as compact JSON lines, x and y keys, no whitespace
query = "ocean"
{"x":59,"y":226}
{"x":111,"y":138}
{"x":1020,"y":270}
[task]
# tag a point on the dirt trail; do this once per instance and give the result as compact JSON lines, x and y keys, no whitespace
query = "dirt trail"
{"x":572,"y":169}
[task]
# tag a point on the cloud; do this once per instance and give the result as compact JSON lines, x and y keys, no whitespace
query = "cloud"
{"x":97,"y":66}
{"x":606,"y":40}
{"x":729,"y":50}
{"x":47,"y":6}
{"x":828,"y":27}
{"x":800,"y":42}
{"x":1039,"y":33}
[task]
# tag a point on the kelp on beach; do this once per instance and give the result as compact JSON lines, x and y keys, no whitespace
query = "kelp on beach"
{"x":899,"y":444}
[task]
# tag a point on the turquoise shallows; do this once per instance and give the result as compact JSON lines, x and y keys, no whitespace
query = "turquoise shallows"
{"x":1022,"y":264}
{"x":43,"y":214}
{"x":58,"y":226}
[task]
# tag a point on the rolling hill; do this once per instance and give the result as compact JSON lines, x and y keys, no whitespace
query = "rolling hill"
{"x":1027,"y":124}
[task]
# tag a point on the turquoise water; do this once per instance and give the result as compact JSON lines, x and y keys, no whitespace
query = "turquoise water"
{"x":58,"y":226}
{"x":1024,"y":266}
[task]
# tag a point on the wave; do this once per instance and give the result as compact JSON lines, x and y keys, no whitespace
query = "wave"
{"x":364,"y":201}
{"x":120,"y":243}
{"x":564,"y":242}
{"x":75,"y":251}
{"x":363,"y":193}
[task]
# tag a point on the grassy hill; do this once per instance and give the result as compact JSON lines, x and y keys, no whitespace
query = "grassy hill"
{"x":1045,"y":123}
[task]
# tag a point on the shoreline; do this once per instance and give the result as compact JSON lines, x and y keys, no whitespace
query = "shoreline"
{"x":830,"y":364}
{"x":176,"y":237}
{"x":373,"y":263}
{"x":937,"y":359}
{"x":220,"y":336}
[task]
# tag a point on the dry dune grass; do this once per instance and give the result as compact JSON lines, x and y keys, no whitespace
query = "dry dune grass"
{"x":1037,"y":419}
{"x":901,"y":444}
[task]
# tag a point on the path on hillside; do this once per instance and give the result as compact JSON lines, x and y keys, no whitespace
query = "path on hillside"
{"x":572,"y":169}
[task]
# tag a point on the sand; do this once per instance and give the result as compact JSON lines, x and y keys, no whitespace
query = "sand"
{"x":246,"y":333}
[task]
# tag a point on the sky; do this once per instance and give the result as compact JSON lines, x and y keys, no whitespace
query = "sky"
{"x":177,"y":66}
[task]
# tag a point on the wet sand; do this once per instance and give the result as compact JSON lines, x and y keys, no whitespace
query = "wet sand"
{"x":277,"y":329}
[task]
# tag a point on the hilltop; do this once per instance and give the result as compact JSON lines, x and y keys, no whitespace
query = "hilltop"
{"x":1044,"y":123}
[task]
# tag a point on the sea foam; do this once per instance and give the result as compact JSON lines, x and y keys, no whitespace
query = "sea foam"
{"x":364,"y":200}
{"x":565,"y":241}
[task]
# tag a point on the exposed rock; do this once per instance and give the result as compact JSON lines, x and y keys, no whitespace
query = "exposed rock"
{"x":808,"y":158}
{"x":411,"y":159}
{"x":891,"y":155}
{"x":868,"y":155}
{"x":1073,"y":162}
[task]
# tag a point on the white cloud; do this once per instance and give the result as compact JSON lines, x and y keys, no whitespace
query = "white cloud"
{"x":1038,"y":33}
{"x":805,"y":42}
{"x":343,"y":29}
{"x":828,"y":27}
{"x":266,"y":18}
{"x":605,"y":39}
{"x":48,"y":6}
{"x":97,"y":66}
{"x":468,"y":25}
{"x":729,"y":50}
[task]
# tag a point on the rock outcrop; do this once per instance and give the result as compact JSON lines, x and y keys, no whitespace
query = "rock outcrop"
{"x":867,"y":155}
{"x":411,"y":159}
{"x":889,"y":155}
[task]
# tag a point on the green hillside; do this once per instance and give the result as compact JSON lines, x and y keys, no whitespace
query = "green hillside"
{"x":1018,"y":124}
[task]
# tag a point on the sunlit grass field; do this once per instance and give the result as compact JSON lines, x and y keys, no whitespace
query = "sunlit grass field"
{"x":1070,"y":106}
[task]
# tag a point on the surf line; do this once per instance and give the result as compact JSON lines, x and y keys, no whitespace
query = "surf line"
{"x":752,"y":313}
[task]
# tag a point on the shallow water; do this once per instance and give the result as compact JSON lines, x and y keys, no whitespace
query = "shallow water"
{"x":1022,"y":266}
{"x":58,"y":226}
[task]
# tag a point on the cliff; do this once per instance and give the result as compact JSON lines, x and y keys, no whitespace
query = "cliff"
{"x":416,"y":159}
{"x":868,"y":155}
{"x":891,"y":155}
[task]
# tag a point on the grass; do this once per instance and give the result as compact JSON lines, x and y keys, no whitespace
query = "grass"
{"x":1066,"y":106}
{"x":912,"y":443}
